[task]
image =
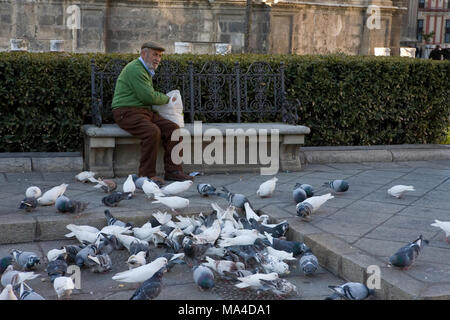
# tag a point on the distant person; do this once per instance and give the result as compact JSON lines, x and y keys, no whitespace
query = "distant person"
{"x":418,"y":52}
{"x":134,"y":97}
{"x":446,"y":53}
{"x":436,"y":53}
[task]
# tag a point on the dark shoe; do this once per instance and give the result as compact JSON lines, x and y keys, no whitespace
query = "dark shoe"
{"x":177,"y":176}
{"x":158,"y":180}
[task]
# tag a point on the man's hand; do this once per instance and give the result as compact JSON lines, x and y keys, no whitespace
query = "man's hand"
{"x":174,"y":98}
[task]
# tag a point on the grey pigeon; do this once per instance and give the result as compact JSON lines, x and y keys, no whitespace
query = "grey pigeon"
{"x":28,"y":294}
{"x":82,"y":259}
{"x":280,"y":287}
{"x":112,"y":221}
{"x":408,"y":254}
{"x":108,"y":243}
{"x":27,"y":260}
{"x":72,"y":251}
{"x":137,"y":246}
{"x":307,"y":187}
{"x":193,"y":252}
{"x":114,"y":198}
{"x":139,"y":182}
{"x":64,"y":205}
{"x":5,"y":262}
{"x":28,"y":204}
{"x":102,"y":263}
{"x":290,"y":246}
{"x":337,"y":185}
{"x":234,"y":199}
{"x":308,"y":263}
{"x":203,"y":277}
{"x":276,"y":232}
{"x":150,"y":288}
{"x":206,"y":189}
{"x":350,"y":291}
{"x":57,"y":268}
{"x":173,"y":259}
{"x":299,"y":194}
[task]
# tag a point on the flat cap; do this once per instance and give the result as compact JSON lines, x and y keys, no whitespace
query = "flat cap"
{"x":153,"y":45}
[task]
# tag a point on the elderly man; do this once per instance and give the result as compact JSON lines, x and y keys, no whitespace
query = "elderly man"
{"x":132,"y":110}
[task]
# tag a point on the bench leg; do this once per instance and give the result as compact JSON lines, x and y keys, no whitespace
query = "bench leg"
{"x":290,"y":157}
{"x":98,"y":156}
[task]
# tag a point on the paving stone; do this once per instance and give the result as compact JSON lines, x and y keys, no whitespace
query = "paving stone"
{"x":396,"y":234}
{"x":379,"y":248}
{"x":15,"y":228}
{"x":342,"y":227}
{"x":437,"y":292}
{"x":24,"y":177}
{"x":57,"y":164}
{"x":409,"y":222}
{"x":396,"y":285}
{"x":19,"y":165}
{"x":368,"y":216}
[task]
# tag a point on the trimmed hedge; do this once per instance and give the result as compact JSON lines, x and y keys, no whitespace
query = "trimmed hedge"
{"x":346,"y":100}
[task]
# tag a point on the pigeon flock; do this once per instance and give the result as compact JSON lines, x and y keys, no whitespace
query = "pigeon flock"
{"x":236,"y":244}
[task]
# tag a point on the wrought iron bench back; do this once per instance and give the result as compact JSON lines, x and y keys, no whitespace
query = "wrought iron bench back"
{"x":211,"y":93}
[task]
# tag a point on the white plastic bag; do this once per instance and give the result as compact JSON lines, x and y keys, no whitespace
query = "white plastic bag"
{"x":172,"y":111}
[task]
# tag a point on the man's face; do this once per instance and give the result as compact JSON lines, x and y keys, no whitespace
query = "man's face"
{"x":152,"y":57}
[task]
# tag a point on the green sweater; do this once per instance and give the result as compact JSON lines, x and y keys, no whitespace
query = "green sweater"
{"x":134,"y":88}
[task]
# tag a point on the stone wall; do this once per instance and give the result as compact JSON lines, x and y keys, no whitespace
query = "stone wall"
{"x":301,"y":27}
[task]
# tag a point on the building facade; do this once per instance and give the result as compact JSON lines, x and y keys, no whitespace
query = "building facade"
{"x":296,"y":26}
{"x":433,"y":19}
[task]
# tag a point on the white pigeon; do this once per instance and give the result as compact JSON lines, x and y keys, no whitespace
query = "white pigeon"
{"x":14,"y":277}
{"x":398,"y":190}
{"x":33,"y":192}
{"x":253,"y":280}
{"x":63,"y":286}
{"x":142,"y":273}
{"x":128,"y":185}
{"x":267,"y":188}
{"x":249,"y":213}
{"x":272,"y":263}
{"x":162,"y":218}
{"x":223,"y":265}
{"x":173,"y":202}
{"x":50,"y":196}
{"x":209,"y":235}
{"x":151,"y":189}
{"x":55,"y":253}
{"x":136,"y":260}
{"x":113,"y":230}
{"x":242,"y":240}
{"x":146,"y":233}
{"x":176,"y":187}
{"x":127,"y":240}
{"x":318,"y":201}
{"x":444,"y":225}
{"x":85,"y":175}
{"x":8,"y":293}
{"x":81,"y":234}
{"x":280,"y":254}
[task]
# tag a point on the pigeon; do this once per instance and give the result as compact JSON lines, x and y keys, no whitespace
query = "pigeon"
{"x":33,"y":192}
{"x":242,"y":240}
{"x":14,"y":277}
{"x":210,"y":235}
{"x":444,"y":225}
{"x":250,"y":213}
{"x":194,"y":252}
{"x":142,"y":273}
{"x":81,"y":259}
{"x":307,"y":207}
{"x":137,"y":260}
{"x":277,"y":231}
{"x":108,"y":243}
{"x":28,"y":204}
{"x":84,"y":176}
{"x":308,"y":263}
{"x":408,"y":254}
{"x":203,"y":277}
{"x":50,"y":196}
{"x":114,"y":198}
{"x":8,"y":293}
{"x":150,"y":288}
{"x":307,"y":188}
{"x":146,"y":232}
{"x":129,"y":186}
{"x":173,"y":202}
{"x":151,"y":189}
{"x":350,"y":291}
{"x":254,"y":280}
{"x":5,"y":262}
{"x":81,"y":234}
{"x":57,"y":268}
{"x":138,"y":246}
{"x":127,"y":241}
{"x":173,"y":259}
{"x":72,"y":251}
{"x":337,"y":185}
{"x":163,"y":218}
{"x":53,"y":254}
{"x":206,"y":189}
{"x":267,"y":188}
{"x":112,"y":221}
{"x":299,"y":194}
{"x":272,"y":263}
{"x":28,"y":294}
{"x":27,"y":260}
{"x":63,"y":286}
{"x":64,"y":204}
{"x":102,"y":263}
{"x":280,"y":287}
{"x":399,"y":190}
{"x":106,"y":185}
{"x":234,"y":199}
{"x":295,"y":247}
{"x":280,"y":254}
{"x":177,"y":187}
{"x":223,"y":265}
{"x":139,"y":182}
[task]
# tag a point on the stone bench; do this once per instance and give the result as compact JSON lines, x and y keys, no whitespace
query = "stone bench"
{"x":110,"y":151}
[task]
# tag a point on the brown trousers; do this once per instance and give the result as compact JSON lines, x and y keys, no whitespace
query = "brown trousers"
{"x":150,"y":127}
